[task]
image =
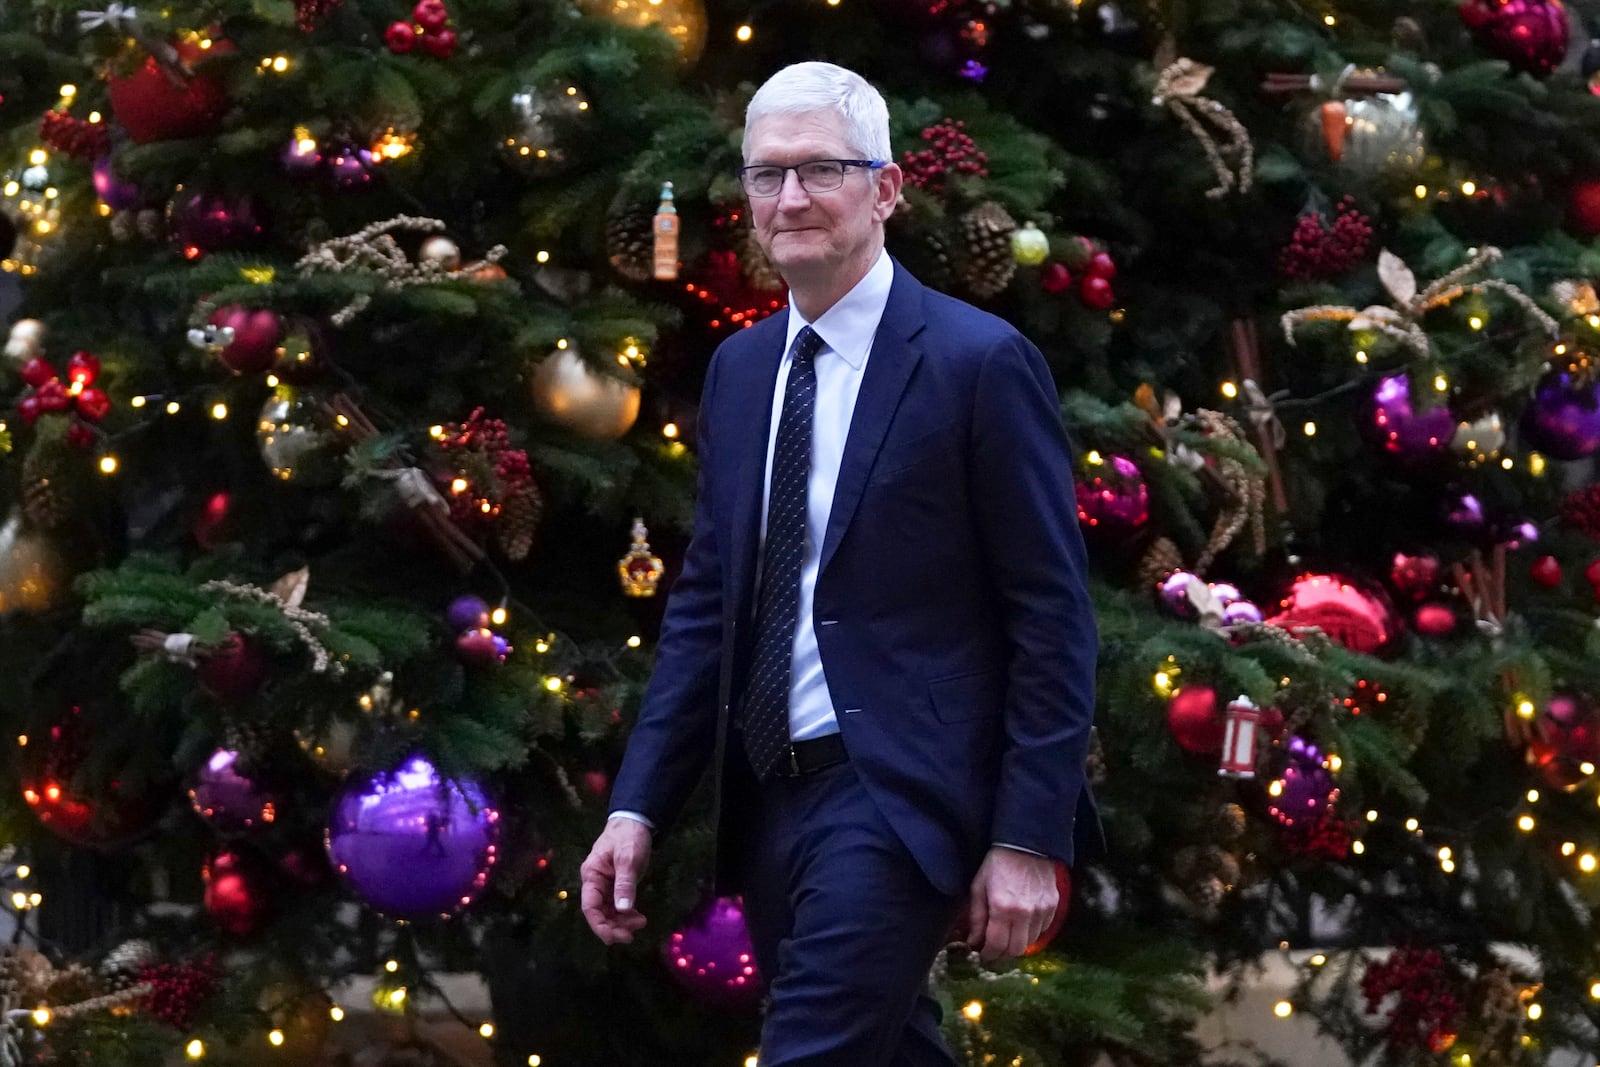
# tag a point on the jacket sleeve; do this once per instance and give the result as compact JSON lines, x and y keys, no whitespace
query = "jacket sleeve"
{"x":1026,"y":514}
{"x":674,"y":736}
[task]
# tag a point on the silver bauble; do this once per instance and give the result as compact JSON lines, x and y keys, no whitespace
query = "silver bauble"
{"x":567,"y":392}
{"x":544,"y":126}
{"x":1382,"y":136}
{"x":286,"y":432}
{"x":32,"y":572}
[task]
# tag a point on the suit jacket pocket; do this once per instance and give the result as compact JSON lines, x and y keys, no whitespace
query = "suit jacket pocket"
{"x":961,"y":697}
{"x":898,"y":457}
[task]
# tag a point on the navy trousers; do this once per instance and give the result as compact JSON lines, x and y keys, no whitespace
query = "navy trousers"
{"x":845,"y":927}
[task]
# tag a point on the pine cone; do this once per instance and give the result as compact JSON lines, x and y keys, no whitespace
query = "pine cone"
{"x":630,"y":241}
{"x":122,"y":965}
{"x":150,"y":224}
{"x":519,"y":519}
{"x":46,"y":498}
{"x":124,"y":226}
{"x":1160,"y":560}
{"x":1207,"y":892}
{"x":986,"y":264}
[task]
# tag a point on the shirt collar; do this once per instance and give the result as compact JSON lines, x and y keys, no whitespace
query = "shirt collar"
{"x":850,"y":325}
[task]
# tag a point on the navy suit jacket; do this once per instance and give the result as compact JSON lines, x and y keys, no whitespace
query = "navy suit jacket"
{"x":951,"y":615}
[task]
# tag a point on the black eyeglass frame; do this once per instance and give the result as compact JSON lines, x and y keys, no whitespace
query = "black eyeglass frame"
{"x":870,"y":164}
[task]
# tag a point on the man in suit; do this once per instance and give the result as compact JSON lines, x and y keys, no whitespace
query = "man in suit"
{"x":880,"y":638}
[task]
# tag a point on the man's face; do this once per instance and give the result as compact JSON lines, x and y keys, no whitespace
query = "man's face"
{"x":813,"y":236}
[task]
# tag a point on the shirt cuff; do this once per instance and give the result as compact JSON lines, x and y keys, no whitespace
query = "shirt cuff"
{"x":634,"y":816}
{"x":997,"y":844}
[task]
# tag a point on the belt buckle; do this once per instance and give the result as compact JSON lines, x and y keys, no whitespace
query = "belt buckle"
{"x":794,"y":759}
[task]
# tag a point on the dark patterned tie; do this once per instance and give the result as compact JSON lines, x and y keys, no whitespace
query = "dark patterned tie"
{"x":764,"y":717}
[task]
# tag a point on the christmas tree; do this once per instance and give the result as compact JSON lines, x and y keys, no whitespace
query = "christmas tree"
{"x":348,"y":456}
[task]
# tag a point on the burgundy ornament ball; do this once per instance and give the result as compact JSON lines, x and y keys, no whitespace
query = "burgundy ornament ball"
{"x":1193,"y":719}
{"x":1409,"y":435}
{"x":1568,"y":740}
{"x":713,"y":958}
{"x":154,"y":106}
{"x":237,"y":893}
{"x":200,"y":221}
{"x":1563,"y":418}
{"x":1112,"y":496}
{"x":1531,"y":35}
{"x":1305,"y":789}
{"x":481,"y":647}
{"x":1583,"y":207}
{"x":412,"y":843}
{"x":1546,"y":570}
{"x":228,"y":800}
{"x":97,"y":814}
{"x":1359,"y":619}
{"x":256,"y":336}
{"x":114,"y":193}
{"x":234,"y":671}
{"x":1414,"y":576}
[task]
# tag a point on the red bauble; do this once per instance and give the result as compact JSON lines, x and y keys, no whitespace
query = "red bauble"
{"x":1101,"y":265}
{"x":1435,"y":620}
{"x":401,"y":37}
{"x":234,"y":671}
{"x":1531,"y":35}
{"x":92,"y":813}
{"x":83,"y":368}
{"x":152,"y":108}
{"x":1064,"y":893}
{"x":1096,"y":292}
{"x":236,"y":893}
{"x":431,"y":15}
{"x":1192,"y":717}
{"x":1583,"y":207}
{"x":1358,"y":619}
{"x":597,"y":783}
{"x":441,"y":44}
{"x":256,"y":336}
{"x":1414,"y":576}
{"x":1568,"y":741}
{"x":216,"y":525}
{"x":1055,"y":278}
{"x":1546,"y":571}
{"x":1592,"y":572}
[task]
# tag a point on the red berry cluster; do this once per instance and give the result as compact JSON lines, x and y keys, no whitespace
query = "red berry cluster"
{"x":179,"y":990}
{"x":1328,"y":837}
{"x":310,"y":12}
{"x":77,"y":138}
{"x":481,"y":447}
{"x":430,"y":24}
{"x":950,"y":151}
{"x":1096,"y":270}
{"x":52,"y":396}
{"x":1581,"y":511}
{"x":1428,"y":1012}
{"x":1316,"y":250}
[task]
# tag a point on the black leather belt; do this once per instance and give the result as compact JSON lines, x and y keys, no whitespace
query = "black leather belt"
{"x":812,"y":755}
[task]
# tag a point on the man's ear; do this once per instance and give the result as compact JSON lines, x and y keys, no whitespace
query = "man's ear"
{"x":887,"y":191}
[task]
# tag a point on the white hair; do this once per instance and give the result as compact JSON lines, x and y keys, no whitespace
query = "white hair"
{"x":804,"y":88}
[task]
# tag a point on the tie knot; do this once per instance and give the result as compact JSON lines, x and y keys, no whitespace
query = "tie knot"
{"x":807,"y":345}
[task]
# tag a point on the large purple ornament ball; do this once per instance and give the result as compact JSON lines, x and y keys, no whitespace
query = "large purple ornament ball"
{"x":1531,"y":35}
{"x":1305,"y":789}
{"x":713,"y":958}
{"x":1407,"y":434}
{"x":226,"y":799}
{"x":115,"y":193}
{"x":200,"y":221}
{"x":1112,"y":496}
{"x":411,"y":843}
{"x":1563,"y":418}
{"x":467,"y":613}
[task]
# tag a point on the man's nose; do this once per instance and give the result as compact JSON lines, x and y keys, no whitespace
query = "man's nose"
{"x":791,"y":194}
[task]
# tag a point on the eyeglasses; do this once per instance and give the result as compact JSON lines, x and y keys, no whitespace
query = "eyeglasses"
{"x":816,"y":176}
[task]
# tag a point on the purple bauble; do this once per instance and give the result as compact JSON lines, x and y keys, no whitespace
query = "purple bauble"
{"x":350,"y":168}
{"x":1173,"y":593}
{"x":1240,"y":611}
{"x":467,"y":613}
{"x":1563,"y":418}
{"x":1225,"y":592}
{"x":481,"y":647}
{"x":413,"y":844}
{"x":1305,"y":789}
{"x":1530,"y":35}
{"x":1463,"y":514}
{"x":301,"y":157}
{"x":712,"y":957}
{"x":1404,"y":432}
{"x":202,"y":222}
{"x":116,"y":194}
{"x":1112,"y":496}
{"x":226,"y":799}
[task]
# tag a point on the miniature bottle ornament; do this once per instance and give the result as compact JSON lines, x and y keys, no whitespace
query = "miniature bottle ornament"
{"x":665,"y":229}
{"x":640,"y":570}
{"x":1240,"y":732}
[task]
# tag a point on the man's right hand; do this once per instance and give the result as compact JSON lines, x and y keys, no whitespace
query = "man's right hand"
{"x":611,"y":877}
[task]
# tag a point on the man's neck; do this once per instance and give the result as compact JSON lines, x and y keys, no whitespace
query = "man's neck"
{"x":812,"y":297}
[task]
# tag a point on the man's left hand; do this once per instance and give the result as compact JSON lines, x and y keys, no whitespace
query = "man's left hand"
{"x":1013,"y":899}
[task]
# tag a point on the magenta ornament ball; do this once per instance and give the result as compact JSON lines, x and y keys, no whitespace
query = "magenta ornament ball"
{"x":412,"y":843}
{"x":713,"y":958}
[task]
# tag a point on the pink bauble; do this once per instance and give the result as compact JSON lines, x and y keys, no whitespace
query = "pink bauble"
{"x":1414,"y":576}
{"x":237,"y":892}
{"x":1531,"y":35}
{"x":714,"y":959}
{"x":1192,"y":717}
{"x":1568,"y":746}
{"x":1435,"y":620}
{"x":256,"y":336}
{"x":1358,"y":619}
{"x":1112,"y":496}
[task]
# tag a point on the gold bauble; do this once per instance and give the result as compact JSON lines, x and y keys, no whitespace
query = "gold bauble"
{"x":32,"y":572}
{"x":684,"y":20}
{"x":441,"y":252}
{"x":567,"y":392}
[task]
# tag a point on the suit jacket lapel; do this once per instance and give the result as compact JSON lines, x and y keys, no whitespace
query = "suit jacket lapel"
{"x":894,"y":356}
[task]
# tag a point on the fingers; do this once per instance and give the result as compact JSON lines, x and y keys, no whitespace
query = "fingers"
{"x":610,"y":881}
{"x":977,"y":917}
